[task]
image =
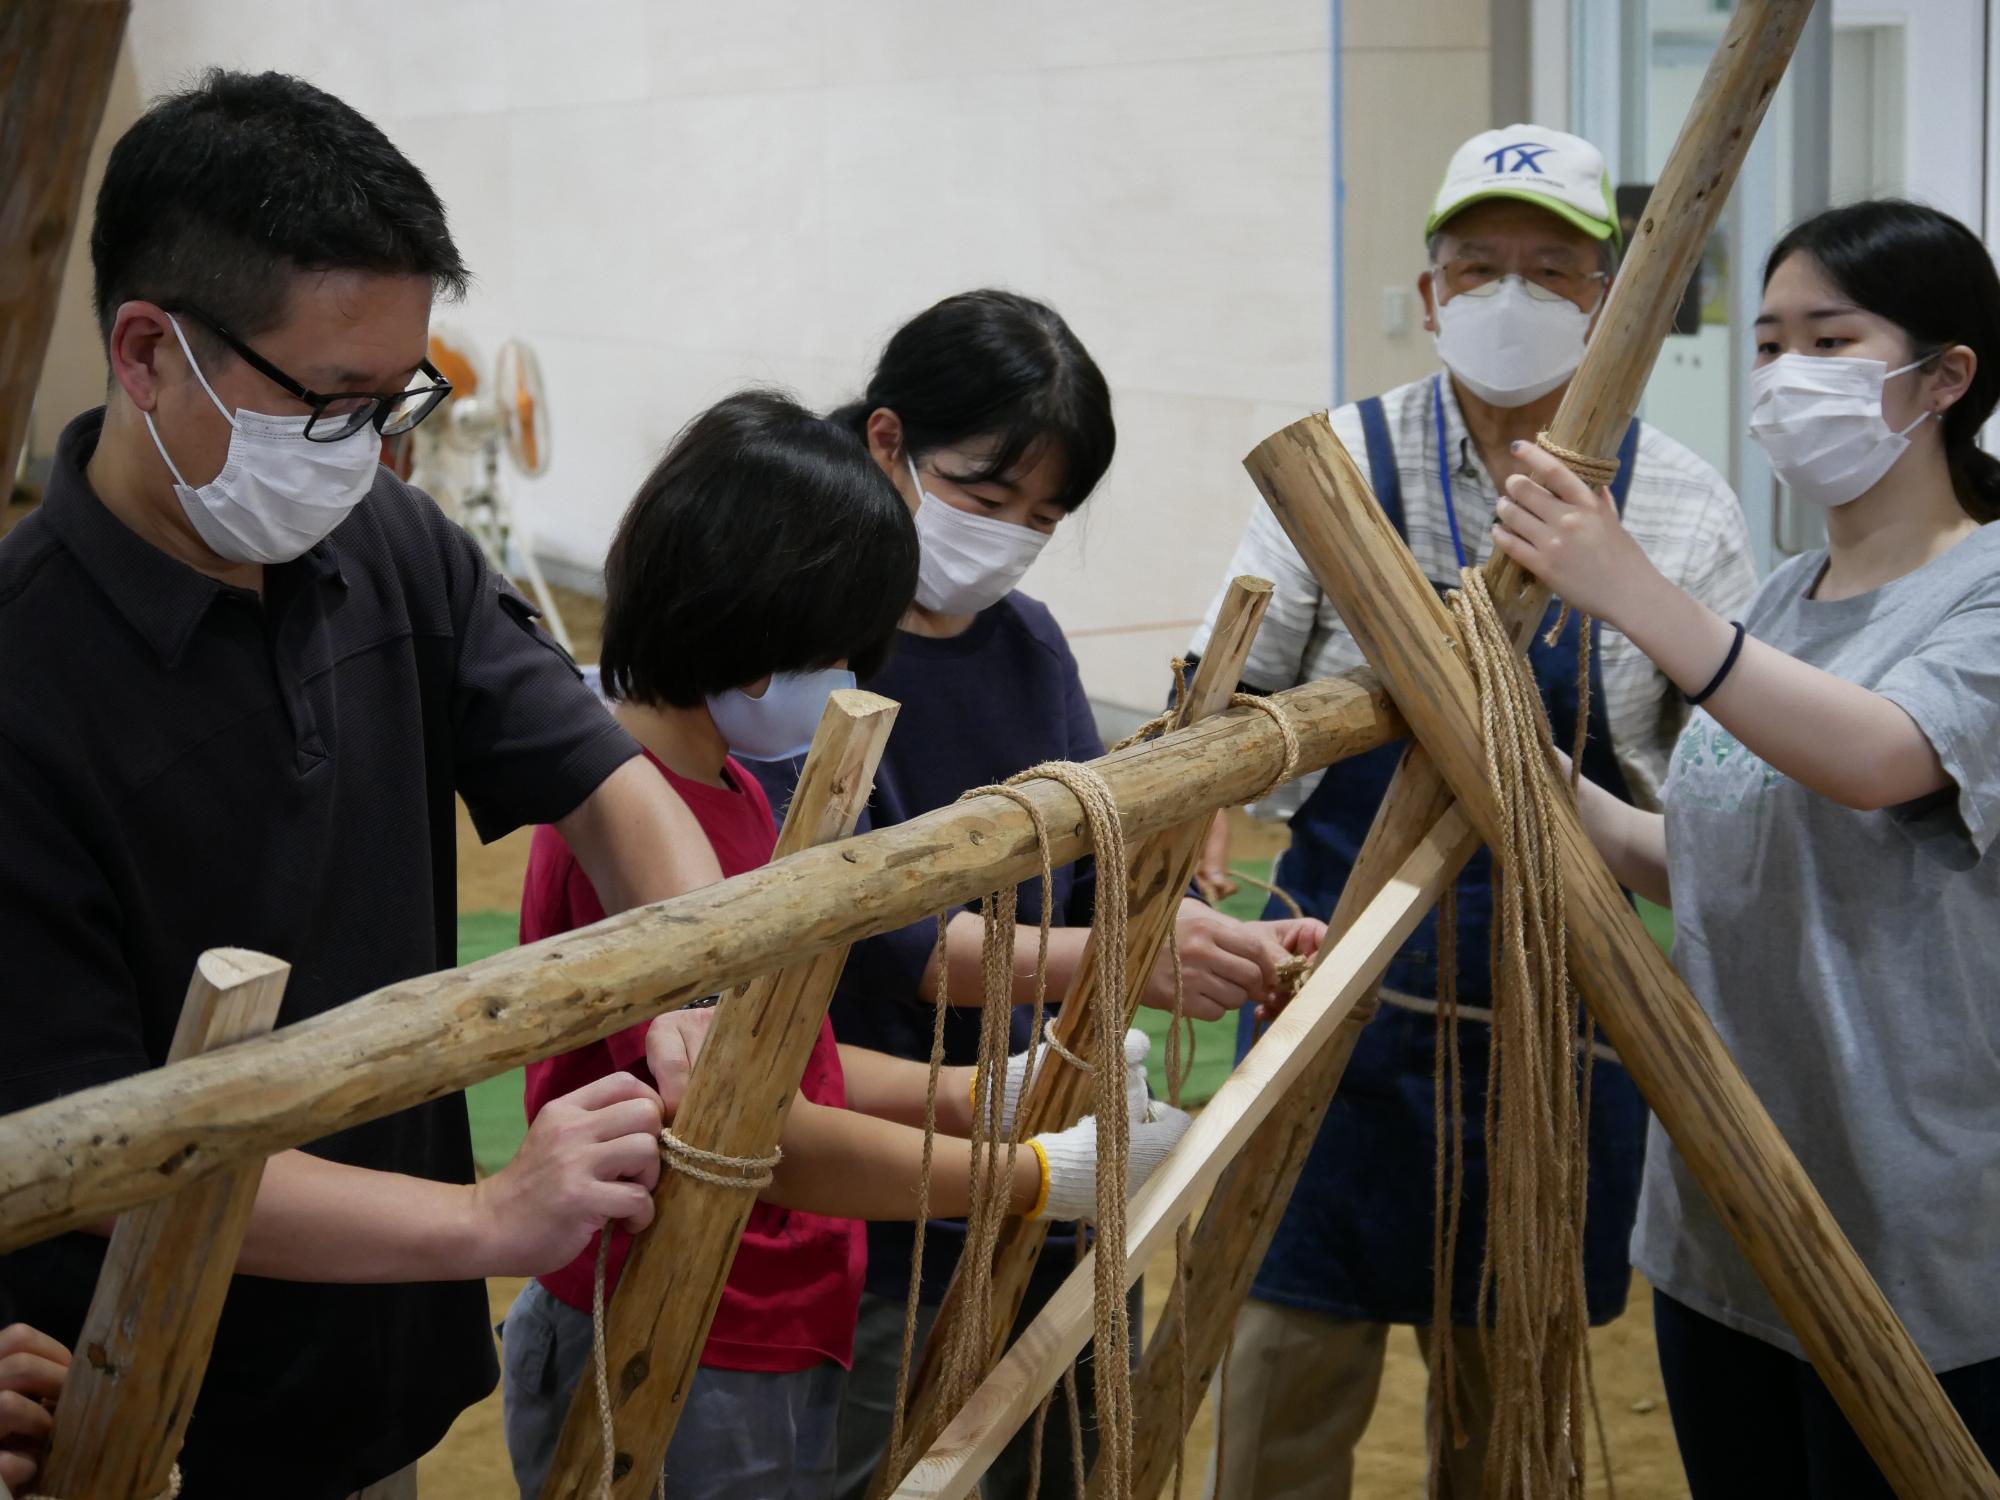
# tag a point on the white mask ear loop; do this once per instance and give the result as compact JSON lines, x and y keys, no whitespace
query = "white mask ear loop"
{"x":1913,"y":364}
{"x":915,"y":478}
{"x":195,"y":365}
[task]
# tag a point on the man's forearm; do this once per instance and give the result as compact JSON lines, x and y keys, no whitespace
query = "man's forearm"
{"x":318,"y":1220}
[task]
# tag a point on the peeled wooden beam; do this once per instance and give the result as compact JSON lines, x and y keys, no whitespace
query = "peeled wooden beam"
{"x":145,"y":1341}
{"x":952,"y":1467}
{"x":1666,"y":1043}
{"x":736,"y":1102}
{"x":1242,"y":1215}
{"x":1059,"y":1096}
{"x":78,"y":1159}
{"x":56,"y":62}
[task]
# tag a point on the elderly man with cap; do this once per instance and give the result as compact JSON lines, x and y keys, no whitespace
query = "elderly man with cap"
{"x":1522,"y":244}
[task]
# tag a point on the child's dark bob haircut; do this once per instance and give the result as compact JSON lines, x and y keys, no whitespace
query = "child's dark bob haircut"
{"x":766,"y":540}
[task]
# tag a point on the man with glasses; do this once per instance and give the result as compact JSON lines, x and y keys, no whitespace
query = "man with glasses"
{"x":243,"y":671}
{"x":1522,"y":243}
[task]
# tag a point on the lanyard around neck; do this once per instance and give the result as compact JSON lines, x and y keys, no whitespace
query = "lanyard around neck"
{"x":1444,"y":469}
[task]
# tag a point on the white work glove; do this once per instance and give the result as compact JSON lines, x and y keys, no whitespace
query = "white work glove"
{"x":1069,"y":1161}
{"x":1137,"y":1046}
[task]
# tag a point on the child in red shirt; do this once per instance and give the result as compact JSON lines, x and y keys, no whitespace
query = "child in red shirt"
{"x":763,"y":555}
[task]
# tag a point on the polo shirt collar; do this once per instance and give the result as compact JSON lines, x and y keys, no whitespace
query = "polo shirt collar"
{"x":161,"y":598}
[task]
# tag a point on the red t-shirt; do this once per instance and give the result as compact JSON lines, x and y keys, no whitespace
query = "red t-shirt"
{"x":795,"y":1287}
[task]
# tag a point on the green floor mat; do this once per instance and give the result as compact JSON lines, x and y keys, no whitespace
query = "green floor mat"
{"x":498,"y":1122}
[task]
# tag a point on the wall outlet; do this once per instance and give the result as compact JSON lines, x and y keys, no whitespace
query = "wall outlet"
{"x":1396,"y":311}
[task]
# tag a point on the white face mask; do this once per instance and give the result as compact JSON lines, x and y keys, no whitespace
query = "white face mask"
{"x":1507,"y":347}
{"x":277,"y":496}
{"x":780,"y":724}
{"x":968,"y":562}
{"x":1819,"y":420}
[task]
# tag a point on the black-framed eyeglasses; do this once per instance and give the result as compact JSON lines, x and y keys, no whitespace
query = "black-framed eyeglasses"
{"x":344,"y":413}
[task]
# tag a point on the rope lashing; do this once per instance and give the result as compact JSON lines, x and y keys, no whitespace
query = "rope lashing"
{"x":1531,"y":1275}
{"x":716,"y":1168}
{"x":1288,"y":737}
{"x":1595,"y":472}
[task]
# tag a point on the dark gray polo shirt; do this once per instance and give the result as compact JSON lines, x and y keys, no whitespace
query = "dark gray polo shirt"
{"x":184,"y":765}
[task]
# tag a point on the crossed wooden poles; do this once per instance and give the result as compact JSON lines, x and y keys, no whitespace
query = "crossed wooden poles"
{"x":180,"y":1147}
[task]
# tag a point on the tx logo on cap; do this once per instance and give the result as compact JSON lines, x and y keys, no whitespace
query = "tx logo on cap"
{"x":1527,"y":156}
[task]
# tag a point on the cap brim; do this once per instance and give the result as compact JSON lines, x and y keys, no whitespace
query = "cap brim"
{"x":1597,"y":229}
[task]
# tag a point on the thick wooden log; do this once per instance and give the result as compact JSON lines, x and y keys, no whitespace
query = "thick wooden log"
{"x":1242,"y":1215}
{"x":145,"y":1341}
{"x":736,"y":1103}
{"x":1681,"y":212}
{"x":78,"y":1159}
{"x":1058,"y":1097}
{"x":1667,"y":1044}
{"x":56,"y":62}
{"x":1266,"y":1076}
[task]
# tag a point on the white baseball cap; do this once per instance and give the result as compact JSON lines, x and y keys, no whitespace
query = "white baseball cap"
{"x":1548,"y":168}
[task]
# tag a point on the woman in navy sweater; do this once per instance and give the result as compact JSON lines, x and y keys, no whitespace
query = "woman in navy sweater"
{"x":995,"y":424}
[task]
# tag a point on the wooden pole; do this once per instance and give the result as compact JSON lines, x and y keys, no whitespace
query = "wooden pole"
{"x":56,"y":62}
{"x":1666,"y":1043}
{"x":1161,"y":869}
{"x":742,"y":1089}
{"x":145,"y":1341}
{"x":1274,"y":1066}
{"x":1680,"y":214}
{"x":75,"y":1160}
{"x":1242,"y":1215}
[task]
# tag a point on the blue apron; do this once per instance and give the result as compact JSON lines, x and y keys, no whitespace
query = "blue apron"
{"x":1355,"y":1241}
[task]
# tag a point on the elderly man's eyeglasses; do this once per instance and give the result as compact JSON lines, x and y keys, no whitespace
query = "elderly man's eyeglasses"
{"x":344,"y":413}
{"x":1545,"y":281}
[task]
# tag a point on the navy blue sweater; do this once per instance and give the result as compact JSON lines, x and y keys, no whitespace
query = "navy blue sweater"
{"x":977,"y":708}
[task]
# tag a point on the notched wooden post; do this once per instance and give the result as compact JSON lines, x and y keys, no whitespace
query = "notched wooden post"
{"x":736,"y":1102}
{"x":139,"y":1361}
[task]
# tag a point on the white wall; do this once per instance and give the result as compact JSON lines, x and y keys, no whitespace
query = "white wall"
{"x":669,"y":198}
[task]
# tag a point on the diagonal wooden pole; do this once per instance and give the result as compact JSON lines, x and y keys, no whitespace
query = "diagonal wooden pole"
{"x":951,"y":1468}
{"x":1850,"y":1333}
{"x":1162,"y":867}
{"x":56,"y":62}
{"x":145,"y":1341}
{"x":1748,"y":65}
{"x":1242,"y":1215}
{"x":743,"y":1086}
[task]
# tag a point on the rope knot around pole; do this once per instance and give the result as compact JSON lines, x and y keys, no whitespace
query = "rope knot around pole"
{"x":1595,"y":472}
{"x":718,"y":1169}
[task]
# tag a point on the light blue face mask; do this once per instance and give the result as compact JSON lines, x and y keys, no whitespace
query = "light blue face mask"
{"x":781,"y":723}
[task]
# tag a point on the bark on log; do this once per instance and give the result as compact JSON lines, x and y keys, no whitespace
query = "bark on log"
{"x":75,"y":1160}
{"x":736,"y":1103}
{"x":1666,"y":1043}
{"x":1036,"y":1361}
{"x":56,"y":62}
{"x":144,"y":1347}
{"x":1161,"y":869}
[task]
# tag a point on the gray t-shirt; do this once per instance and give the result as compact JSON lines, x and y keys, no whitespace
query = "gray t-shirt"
{"x":1851,"y":961}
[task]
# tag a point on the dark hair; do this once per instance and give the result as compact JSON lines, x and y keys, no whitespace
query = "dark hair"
{"x":219,"y":194}
{"x":991,"y":364}
{"x":766,"y":540}
{"x":1930,"y":276}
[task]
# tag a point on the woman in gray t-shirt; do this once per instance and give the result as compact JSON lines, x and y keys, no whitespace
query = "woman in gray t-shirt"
{"x":1828,"y":839}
